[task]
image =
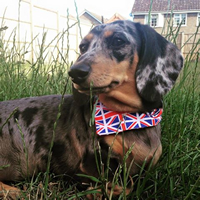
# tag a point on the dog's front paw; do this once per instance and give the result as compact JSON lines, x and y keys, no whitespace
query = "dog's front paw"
{"x":8,"y":192}
{"x":97,"y":195}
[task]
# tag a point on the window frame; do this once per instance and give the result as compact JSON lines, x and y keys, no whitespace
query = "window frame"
{"x":156,"y":16}
{"x":198,"y":19}
{"x":180,"y":17}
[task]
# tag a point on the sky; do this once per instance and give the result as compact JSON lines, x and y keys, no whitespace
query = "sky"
{"x":106,"y":8}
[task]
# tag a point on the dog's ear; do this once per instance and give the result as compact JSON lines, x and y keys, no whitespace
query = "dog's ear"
{"x":80,"y":98}
{"x":159,"y":65}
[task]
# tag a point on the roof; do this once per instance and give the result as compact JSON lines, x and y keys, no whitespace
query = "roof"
{"x":97,"y":19}
{"x":142,"y":6}
{"x":115,"y":17}
{"x":94,"y":18}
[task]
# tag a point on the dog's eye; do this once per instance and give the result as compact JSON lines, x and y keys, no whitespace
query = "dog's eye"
{"x":118,"y":41}
{"x":83,"y":48}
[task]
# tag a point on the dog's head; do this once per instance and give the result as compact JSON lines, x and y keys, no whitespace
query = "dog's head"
{"x":128,"y":65}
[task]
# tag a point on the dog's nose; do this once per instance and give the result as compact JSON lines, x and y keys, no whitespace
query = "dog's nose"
{"x":79,"y":73}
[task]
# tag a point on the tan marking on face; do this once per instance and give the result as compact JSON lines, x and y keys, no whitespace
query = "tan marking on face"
{"x":124,"y":98}
{"x":89,"y":37}
{"x":105,"y":70}
{"x":108,"y":33}
{"x":121,"y":97}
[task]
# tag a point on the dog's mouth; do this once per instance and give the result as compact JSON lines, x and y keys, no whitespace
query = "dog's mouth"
{"x":97,"y":89}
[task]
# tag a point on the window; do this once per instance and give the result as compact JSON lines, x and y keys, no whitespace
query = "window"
{"x":179,"y":19}
{"x":153,"y":20}
{"x":157,"y":20}
{"x":198,"y":19}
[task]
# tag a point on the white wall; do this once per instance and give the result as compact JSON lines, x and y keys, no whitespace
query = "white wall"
{"x":31,"y":19}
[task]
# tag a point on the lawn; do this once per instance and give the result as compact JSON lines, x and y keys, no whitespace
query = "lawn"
{"x":177,"y":175}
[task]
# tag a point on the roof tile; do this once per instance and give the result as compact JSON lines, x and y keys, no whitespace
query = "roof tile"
{"x":165,"y":5}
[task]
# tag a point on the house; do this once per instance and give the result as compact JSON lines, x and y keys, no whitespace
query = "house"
{"x":115,"y":17}
{"x":95,"y":19}
{"x":185,"y":13}
{"x":169,"y":16}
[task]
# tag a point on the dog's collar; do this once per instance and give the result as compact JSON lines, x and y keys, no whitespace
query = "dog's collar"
{"x":109,"y":122}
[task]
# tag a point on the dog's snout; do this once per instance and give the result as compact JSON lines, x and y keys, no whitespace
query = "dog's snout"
{"x":79,"y":73}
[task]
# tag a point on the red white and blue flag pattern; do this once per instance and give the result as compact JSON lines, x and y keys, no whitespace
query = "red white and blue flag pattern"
{"x":110,"y":122}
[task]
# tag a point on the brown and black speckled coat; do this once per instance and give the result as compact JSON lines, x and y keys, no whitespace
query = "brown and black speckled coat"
{"x":130,"y":67}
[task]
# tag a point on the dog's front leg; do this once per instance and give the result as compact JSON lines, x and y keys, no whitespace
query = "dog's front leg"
{"x":102,"y":165}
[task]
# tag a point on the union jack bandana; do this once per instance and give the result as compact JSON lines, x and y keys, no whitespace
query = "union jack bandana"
{"x":110,"y":122}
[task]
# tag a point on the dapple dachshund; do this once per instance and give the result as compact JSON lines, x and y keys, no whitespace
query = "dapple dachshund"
{"x":126,"y":66}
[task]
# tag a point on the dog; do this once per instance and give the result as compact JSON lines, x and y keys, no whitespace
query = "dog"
{"x":128,"y":68}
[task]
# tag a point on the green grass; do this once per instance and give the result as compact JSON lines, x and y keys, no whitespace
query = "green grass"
{"x":21,"y":78}
{"x":179,"y":165}
{"x":177,"y":175}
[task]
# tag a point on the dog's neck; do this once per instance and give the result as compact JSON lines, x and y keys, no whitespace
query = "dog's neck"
{"x":122,"y":100}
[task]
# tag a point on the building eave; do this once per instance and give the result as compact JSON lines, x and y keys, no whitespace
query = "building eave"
{"x":85,"y":11}
{"x":166,"y":12}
